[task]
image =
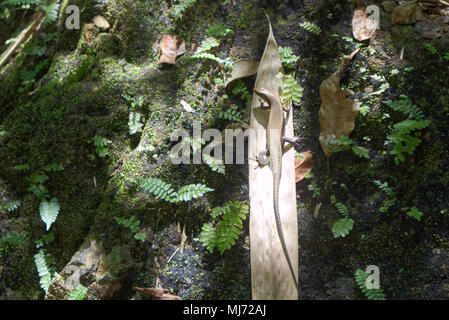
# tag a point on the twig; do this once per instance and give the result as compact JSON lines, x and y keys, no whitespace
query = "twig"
{"x":23,"y":37}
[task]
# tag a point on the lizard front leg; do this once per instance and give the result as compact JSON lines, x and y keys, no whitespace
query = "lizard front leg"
{"x":262,"y":158}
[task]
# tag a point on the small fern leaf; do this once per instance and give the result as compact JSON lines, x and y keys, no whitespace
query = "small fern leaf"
{"x":41,"y":260}
{"x":49,"y":211}
{"x":159,"y":189}
{"x":192,"y":191}
{"x":208,"y":236}
{"x":342,"y":227}
{"x":79,"y":293}
{"x":12,"y":205}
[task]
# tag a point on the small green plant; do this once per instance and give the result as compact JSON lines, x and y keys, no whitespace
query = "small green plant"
{"x":53,"y":167}
{"x":291,"y":90}
{"x":101,"y":146}
{"x":135,"y":122}
{"x":314,"y":187}
{"x":133,"y":225}
{"x":181,"y":6}
{"x":311,"y":27}
{"x":390,"y":200}
{"x":164,"y":190}
{"x":11,"y":205}
{"x":240,"y":89}
{"x":342,"y":227}
{"x":361,"y":278}
{"x":45,"y":268}
{"x":49,"y":211}
{"x":288,"y":59}
{"x":413,"y":213}
{"x":79,"y":293}
{"x":28,"y":77}
{"x":215,"y":164}
{"x":206,"y":45}
{"x":226,"y":226}
{"x":218,"y":31}
{"x":232,"y":114}
{"x":15,"y":239}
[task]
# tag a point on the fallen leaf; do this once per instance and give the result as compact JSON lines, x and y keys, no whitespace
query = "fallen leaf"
{"x":101,"y":22}
{"x":242,"y":69}
{"x":363,"y":28}
{"x":171,"y":47}
{"x":303,"y":165}
{"x":157,"y":293}
{"x":337,"y":113}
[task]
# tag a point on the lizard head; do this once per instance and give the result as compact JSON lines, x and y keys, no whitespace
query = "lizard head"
{"x":265,"y":94}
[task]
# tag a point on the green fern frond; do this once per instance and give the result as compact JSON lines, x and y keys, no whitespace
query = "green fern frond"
{"x":231,"y":114}
{"x":405,"y":107}
{"x":12,"y":205}
{"x":130,"y":223}
{"x":215,"y":164}
{"x":44,"y":264}
{"x":39,"y":190}
{"x":192,"y":191}
{"x":231,"y":226}
{"x":160,"y":189}
{"x":385,"y":188}
{"x":15,"y":239}
{"x":413,"y":213}
{"x":361,"y":151}
{"x":311,"y":27}
{"x":218,"y":31}
{"x":372,"y":294}
{"x":342,"y":227}
{"x":291,"y":90}
{"x":288,"y":59}
{"x":79,"y":293}
{"x":208,"y":236}
{"x":49,"y":211}
{"x":22,"y":2}
{"x":51,"y":13}
{"x":182,"y":5}
{"x":54,"y":167}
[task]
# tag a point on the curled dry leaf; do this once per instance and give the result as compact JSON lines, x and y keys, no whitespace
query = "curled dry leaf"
{"x":337,"y":113}
{"x":171,"y":47}
{"x":303,"y":165}
{"x":363,"y":28}
{"x":157,"y":293}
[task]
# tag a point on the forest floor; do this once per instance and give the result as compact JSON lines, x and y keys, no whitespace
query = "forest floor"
{"x":65,"y":134}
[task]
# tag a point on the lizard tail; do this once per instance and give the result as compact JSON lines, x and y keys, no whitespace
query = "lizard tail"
{"x":281,"y":233}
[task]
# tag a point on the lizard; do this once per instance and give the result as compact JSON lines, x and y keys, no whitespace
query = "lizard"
{"x":274,"y":151}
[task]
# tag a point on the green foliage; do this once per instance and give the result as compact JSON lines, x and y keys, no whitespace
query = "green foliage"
{"x":226,"y":226}
{"x":101,"y":145}
{"x":22,"y":167}
{"x":164,"y":190}
{"x":215,"y":164}
{"x":206,"y":45}
{"x":413,"y":213}
{"x":133,"y":225}
{"x":240,"y":89}
{"x":291,"y":90}
{"x":181,"y":6}
{"x":51,"y":12}
{"x":49,"y":211}
{"x":339,"y":144}
{"x":28,"y":77}
{"x":431,"y":48}
{"x":372,"y":294}
{"x":15,"y":239}
{"x":391,"y":200}
{"x":231,"y":114}
{"x":311,"y":27}
{"x":135,"y":122}
{"x":54,"y":167}
{"x":79,"y":293}
{"x":405,"y":107}
{"x":45,"y":268}
{"x":342,"y":227}
{"x":218,"y":31}
{"x":403,"y":141}
{"x":361,"y":152}
{"x":11,"y":205}
{"x":192,"y":191}
{"x":39,"y":190}
{"x":288,"y":59}
{"x":21,"y":2}
{"x":314,"y":187}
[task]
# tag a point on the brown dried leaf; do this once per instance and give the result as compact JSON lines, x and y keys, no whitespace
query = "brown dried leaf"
{"x":363,"y":28}
{"x":157,"y":293}
{"x":183,"y":238}
{"x":171,"y":47}
{"x":337,"y":113}
{"x":303,"y":165}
